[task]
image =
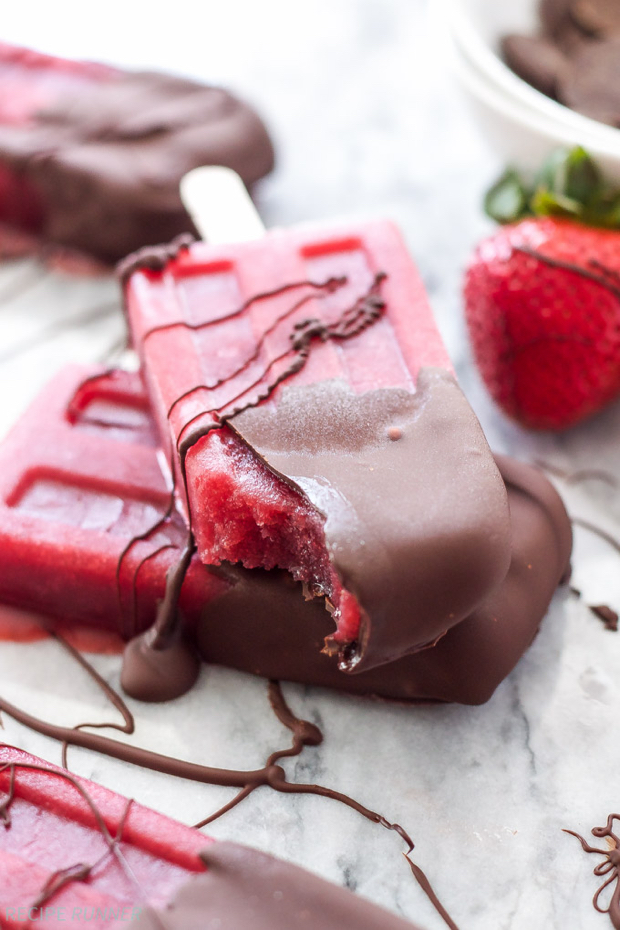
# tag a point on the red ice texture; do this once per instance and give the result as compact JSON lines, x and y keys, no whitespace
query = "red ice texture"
{"x":251,"y":516}
{"x":79,"y":480}
{"x":49,"y":825}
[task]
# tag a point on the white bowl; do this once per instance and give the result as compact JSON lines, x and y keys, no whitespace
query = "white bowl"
{"x":522,"y":124}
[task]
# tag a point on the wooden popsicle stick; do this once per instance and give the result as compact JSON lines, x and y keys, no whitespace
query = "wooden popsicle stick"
{"x":220,"y":206}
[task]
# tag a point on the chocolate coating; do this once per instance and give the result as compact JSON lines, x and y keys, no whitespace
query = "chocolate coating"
{"x":245,"y":889}
{"x":575,"y":61}
{"x":538,"y":61}
{"x":600,"y":17}
{"x":418,"y":527}
{"x":107,"y":163}
{"x":591,"y":84}
{"x":262,"y":625}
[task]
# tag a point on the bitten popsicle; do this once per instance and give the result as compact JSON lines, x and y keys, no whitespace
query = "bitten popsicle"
{"x":308,"y":406}
{"x":79,"y":484}
{"x":91,"y":157}
{"x":72,"y":852}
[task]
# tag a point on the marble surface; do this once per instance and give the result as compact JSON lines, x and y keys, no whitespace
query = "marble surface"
{"x":367,"y":122}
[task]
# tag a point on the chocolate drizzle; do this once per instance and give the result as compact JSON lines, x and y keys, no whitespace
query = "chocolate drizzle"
{"x":153,"y":257}
{"x":148,"y":670}
{"x":128,"y":726}
{"x":272,"y":775}
{"x":608,"y":869}
{"x":80,"y":871}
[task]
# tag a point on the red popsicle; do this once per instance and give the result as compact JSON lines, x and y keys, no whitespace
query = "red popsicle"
{"x":55,"y":827}
{"x":91,"y":156}
{"x":79,"y":480}
{"x":305,"y":397}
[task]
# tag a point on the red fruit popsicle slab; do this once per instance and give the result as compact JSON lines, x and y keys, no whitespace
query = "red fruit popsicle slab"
{"x":79,"y":480}
{"x":306,"y":399}
{"x":91,"y":156}
{"x":55,"y":826}
{"x":72,"y":852}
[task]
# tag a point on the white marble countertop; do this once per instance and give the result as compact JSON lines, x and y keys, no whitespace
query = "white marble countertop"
{"x":367,"y":121}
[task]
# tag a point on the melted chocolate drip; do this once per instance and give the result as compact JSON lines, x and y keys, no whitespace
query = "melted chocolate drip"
{"x":160,"y":664}
{"x":153,"y":257}
{"x":609,"y":869}
{"x":149,"y":672}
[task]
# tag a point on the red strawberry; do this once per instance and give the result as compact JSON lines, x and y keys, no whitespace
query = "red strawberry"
{"x":542,"y":300}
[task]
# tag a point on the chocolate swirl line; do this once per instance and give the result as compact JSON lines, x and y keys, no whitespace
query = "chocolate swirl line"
{"x":328,"y":286}
{"x":79,"y":872}
{"x":271,"y":775}
{"x":128,"y":726}
{"x":365,"y":311}
{"x":331,"y":284}
{"x":608,"y":869}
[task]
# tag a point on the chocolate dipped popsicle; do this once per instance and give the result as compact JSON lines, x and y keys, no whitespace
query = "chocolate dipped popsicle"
{"x":80,"y":484}
{"x":91,"y":156}
{"x":73,"y":852}
{"x":313,"y":423}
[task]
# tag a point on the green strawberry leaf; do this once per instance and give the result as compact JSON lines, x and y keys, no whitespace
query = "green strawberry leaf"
{"x":605,"y":213}
{"x":551,"y":175}
{"x":548,"y":203}
{"x":507,"y":200}
{"x":583,"y":180}
{"x":569,"y":184}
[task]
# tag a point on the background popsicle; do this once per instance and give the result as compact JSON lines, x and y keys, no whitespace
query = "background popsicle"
{"x":91,"y":156}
